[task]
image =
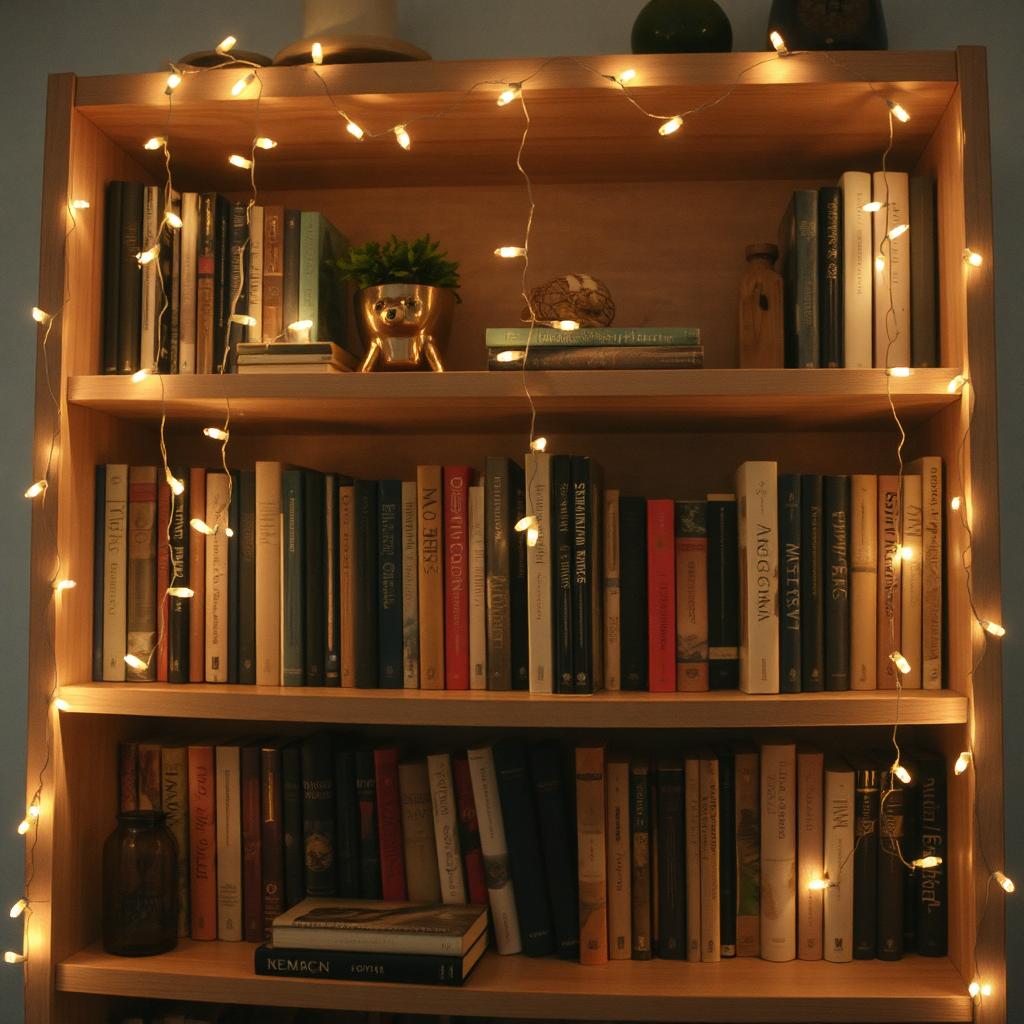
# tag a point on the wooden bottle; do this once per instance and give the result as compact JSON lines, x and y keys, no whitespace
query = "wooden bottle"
{"x":761,"y":306}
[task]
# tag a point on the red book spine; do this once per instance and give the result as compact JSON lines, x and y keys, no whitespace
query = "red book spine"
{"x":661,"y":603}
{"x":252,"y":881}
{"x":271,"y":837}
{"x":456,"y":578}
{"x":469,"y":832}
{"x":163,"y":578}
{"x":128,"y":775}
{"x":389,"y":824}
{"x":202,"y":836}
{"x":196,"y":578}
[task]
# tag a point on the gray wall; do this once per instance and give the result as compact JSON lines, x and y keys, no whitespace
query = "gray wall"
{"x":112,"y":36}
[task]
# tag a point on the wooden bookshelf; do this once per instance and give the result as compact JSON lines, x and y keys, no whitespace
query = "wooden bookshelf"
{"x":665,"y":223}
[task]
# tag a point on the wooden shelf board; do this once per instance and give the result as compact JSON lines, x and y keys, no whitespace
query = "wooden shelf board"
{"x":571,"y":402}
{"x":719,"y":710}
{"x":812,"y":112}
{"x":742,"y":990}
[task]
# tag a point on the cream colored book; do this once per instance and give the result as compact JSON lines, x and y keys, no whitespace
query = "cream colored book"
{"x":268,"y":573}
{"x":929,"y":469}
{"x":539,"y":595}
{"x":254,"y":277}
{"x":446,"y":829}
{"x":216,"y":617}
{"x":891,"y":258}
{"x":189,"y":282}
{"x":863,"y":581}
{"x":837,"y":944}
{"x":418,"y":846}
{"x":612,"y":593}
{"x":347,"y":581}
{"x":778,"y":851}
{"x":477,"y":591}
{"x":617,"y":859}
{"x":229,"y":844}
{"x":410,"y":582}
{"x":911,"y":590}
{"x":691,"y":846}
{"x":810,"y":852}
{"x":710,"y":893}
{"x":857,"y":270}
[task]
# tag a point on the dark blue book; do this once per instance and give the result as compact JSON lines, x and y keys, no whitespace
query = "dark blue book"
{"x":291,"y":813}
{"x":553,"y":815}
{"x":723,"y":593}
{"x":798,"y":243}
{"x":318,"y":816}
{"x":865,"y":862}
{"x":179,"y":607}
{"x":633,"y":593}
{"x":526,"y":861}
{"x":221,"y":279}
{"x":830,"y":274}
{"x":332,"y":584}
{"x":671,"y":860}
{"x":236,"y":300}
{"x":369,"y":842}
{"x":245,"y":540}
{"x":313,"y":556}
{"x":727,"y":850}
{"x":234,"y":554}
{"x":812,"y":568}
{"x":365,"y":611}
{"x":293,"y":625}
{"x":789,"y":583}
{"x":111,"y":279}
{"x":586,"y":588}
{"x":389,"y":584}
{"x":561,"y":553}
{"x":517,"y":582}
{"x":99,"y":530}
{"x":836,"y":595}
{"x":129,"y":293}
{"x":346,"y":846}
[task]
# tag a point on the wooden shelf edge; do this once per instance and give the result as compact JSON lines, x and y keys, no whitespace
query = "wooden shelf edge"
{"x":915,"y":989}
{"x":717,"y":710}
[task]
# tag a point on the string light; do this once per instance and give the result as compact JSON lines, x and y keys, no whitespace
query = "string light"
{"x":820,"y":884}
{"x":240,"y":161}
{"x":974,"y":990}
{"x":532,"y":536}
{"x":525,"y":523}
{"x":986,"y":990}
{"x":992,"y":628}
{"x":225,"y":45}
{"x":140,"y":375}
{"x":624,"y":77}
{"x":1006,"y":884}
{"x":510,"y":356}
{"x":244,"y":319}
{"x":80,"y":204}
{"x":956,"y":383}
{"x":538,"y":444}
{"x":148,"y":255}
{"x":24,"y":826}
{"x":879,"y":263}
{"x":873,"y":207}
{"x":184,"y":592}
{"x":906,"y":553}
{"x":926,"y":863}
{"x":353,"y":129}
{"x":19,"y":908}
{"x":265,"y":143}
{"x":40,"y":315}
{"x":972,"y":258}
{"x":901,"y":773}
{"x":36,"y":489}
{"x":171,"y":218}
{"x":898,"y":371}
{"x":135,"y":662}
{"x":513,"y":92}
{"x":216,"y":433}
{"x":59,"y":586}
{"x":177,"y":486}
{"x":154,"y":142}
{"x":61,"y":704}
{"x":243,"y":83}
{"x":962,"y":762}
{"x":508,"y":252}
{"x":955,"y":502}
{"x":898,"y":111}
{"x":298,"y":330}
{"x":317,"y":53}
{"x":201,"y":526}
{"x":10,"y":957}
{"x":673,"y":124}
{"x":897,"y":231}
{"x":779,"y":43}
{"x":565,"y":325}
{"x":402,"y":136}
{"x":173,"y":81}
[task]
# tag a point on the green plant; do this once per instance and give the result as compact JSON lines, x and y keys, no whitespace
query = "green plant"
{"x":398,"y":261}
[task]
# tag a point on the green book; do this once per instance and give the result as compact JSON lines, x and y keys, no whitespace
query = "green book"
{"x":592,"y":337}
{"x":322,"y":294}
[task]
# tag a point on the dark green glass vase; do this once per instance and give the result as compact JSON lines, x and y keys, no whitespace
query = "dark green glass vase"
{"x":682,"y":26}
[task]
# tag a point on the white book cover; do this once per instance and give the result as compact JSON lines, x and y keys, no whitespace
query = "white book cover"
{"x":268,"y":574}
{"x":911,"y":582}
{"x":151,"y":218}
{"x":757,"y":510}
{"x":778,"y":851}
{"x":710,"y":898}
{"x":691,"y":840}
{"x":539,"y":595}
{"x":255,"y":296}
{"x":115,"y":572}
{"x":477,"y":591}
{"x":617,"y":859}
{"x":858,"y":323}
{"x":930,"y":470}
{"x":500,"y":893}
{"x":410,"y":583}
{"x":612,"y":593}
{"x":891,"y":258}
{"x":838,"y":912}
{"x":216,"y":617}
{"x":863,"y":581}
{"x":229,"y":844}
{"x":187,"y":296}
{"x":446,"y":828}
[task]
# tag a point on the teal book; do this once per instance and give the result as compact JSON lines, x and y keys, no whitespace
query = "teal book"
{"x":322,"y":295}
{"x":293,"y":624}
{"x":592,"y":337}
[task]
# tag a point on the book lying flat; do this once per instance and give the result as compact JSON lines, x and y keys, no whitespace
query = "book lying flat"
{"x":251,"y":352}
{"x":320,"y":367}
{"x":380,"y":926}
{"x":651,"y":357}
{"x":551,"y":337}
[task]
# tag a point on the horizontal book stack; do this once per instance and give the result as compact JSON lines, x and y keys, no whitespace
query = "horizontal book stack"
{"x":859,"y":261}
{"x":181,"y":299}
{"x":594,"y":348}
{"x":770,"y":849}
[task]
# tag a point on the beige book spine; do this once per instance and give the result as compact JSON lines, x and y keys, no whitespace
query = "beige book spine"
{"x":268,"y":573}
{"x":612,"y":594}
{"x":229,"y":844}
{"x":420,"y":850}
{"x":431,"y":577}
{"x":837,"y":942}
{"x":810,"y":765}
{"x":620,"y":931}
{"x":217,"y":578}
{"x":446,"y":829}
{"x":115,"y":571}
{"x":911,"y":582}
{"x":691,"y":846}
{"x":710,"y":892}
{"x":590,"y":835}
{"x":541,"y":650}
{"x":778,"y":851}
{"x":863,"y":581}
{"x":889,"y":605}
{"x":691,"y":543}
{"x":930,"y":470}
{"x":347,"y":581}
{"x":748,"y":853}
{"x":197,"y":578}
{"x":892,"y":273}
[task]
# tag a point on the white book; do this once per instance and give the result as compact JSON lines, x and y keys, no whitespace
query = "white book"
{"x":187,"y":296}
{"x":539,"y":595}
{"x":778,"y":851}
{"x":268,"y":574}
{"x":858,"y":320}
{"x":612,"y":593}
{"x":410,"y":582}
{"x":500,"y":893}
{"x":617,"y":860}
{"x":757,"y":496}
{"x":115,"y":572}
{"x":691,"y":840}
{"x":710,"y":899}
{"x":229,"y":844}
{"x":930,"y":470}
{"x":838,"y":911}
{"x":216,"y":616}
{"x":911,"y":582}
{"x":150,"y":305}
{"x":446,"y":829}
{"x":254,"y":332}
{"x":863,"y":581}
{"x":891,"y":257}
{"x":477,"y":591}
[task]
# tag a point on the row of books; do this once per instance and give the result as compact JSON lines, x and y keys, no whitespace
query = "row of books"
{"x":792,"y":583}
{"x":266,"y":266}
{"x":692,"y":855}
{"x":850,"y":285}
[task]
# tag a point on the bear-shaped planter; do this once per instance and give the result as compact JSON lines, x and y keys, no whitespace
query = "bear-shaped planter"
{"x":402,"y":324}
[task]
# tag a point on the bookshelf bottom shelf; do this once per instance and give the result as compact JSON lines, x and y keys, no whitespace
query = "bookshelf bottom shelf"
{"x":744,"y":990}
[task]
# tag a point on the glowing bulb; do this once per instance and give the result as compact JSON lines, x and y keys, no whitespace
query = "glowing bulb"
{"x":526,"y":523}
{"x":19,"y":908}
{"x":673,"y":124}
{"x":778,"y":42}
{"x":879,"y":263}
{"x":514,"y":90}
{"x":299,"y":330}
{"x":135,"y":662}
{"x":818,"y":884}
{"x":927,"y":863}
{"x":402,"y":136}
{"x":898,"y":371}
{"x":900,"y":662}
{"x":228,"y":532}
{"x":900,"y":229}
{"x":263,"y":142}
{"x":24,"y":826}
{"x":240,"y":161}
{"x":974,"y":259}
{"x":155,"y":142}
{"x":61,"y":585}
{"x":177,"y":486}
{"x":173,"y":81}
{"x":353,"y":129}
{"x":10,"y":957}
{"x":216,"y":433}
{"x":148,"y":255}
{"x":510,"y":356}
{"x":244,"y":319}
{"x":36,"y":489}
{"x":33,"y":811}
{"x":955,"y":502}
{"x":872,"y":207}
{"x":538,"y":444}
{"x":906,"y":553}
{"x":226,"y":44}
{"x":200,"y":526}
{"x":508,"y":252}
{"x":1005,"y":883}
{"x":901,"y":773}
{"x":898,"y":111}
{"x":974,"y":990}
{"x":625,"y":76}
{"x":79,"y":204}
{"x":170,"y":217}
{"x":566,"y":325}
{"x":180,"y":592}
{"x":986,"y":990}
{"x":243,"y":83}
{"x":956,"y":383}
{"x":317,"y":53}
{"x":61,"y":704}
{"x":40,"y":315}
{"x":532,"y":536}
{"x":962,"y":762}
{"x":993,"y":628}
{"x":140,"y":375}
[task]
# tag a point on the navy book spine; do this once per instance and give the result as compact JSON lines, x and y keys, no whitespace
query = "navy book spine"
{"x":727,"y":851}
{"x":561,"y":483}
{"x":294,"y":847}
{"x":318,"y":816}
{"x":369,"y":844}
{"x":633,"y":593}
{"x":789,"y":583}
{"x":830,"y":274}
{"x":346,"y":845}
{"x":723,"y":593}
{"x":246,"y":541}
{"x":293,"y":627}
{"x":836,"y":587}
{"x":332,"y":584}
{"x":671,"y":861}
{"x":389,"y":585}
{"x":313,"y":556}
{"x":365,"y":612}
{"x":812,"y":568}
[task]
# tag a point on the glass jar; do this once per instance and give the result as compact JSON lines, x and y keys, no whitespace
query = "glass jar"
{"x":140,"y":886}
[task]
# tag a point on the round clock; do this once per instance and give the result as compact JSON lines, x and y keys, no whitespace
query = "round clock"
{"x":829,"y":24}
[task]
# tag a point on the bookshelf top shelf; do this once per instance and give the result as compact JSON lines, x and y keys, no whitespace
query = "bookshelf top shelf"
{"x":811,"y":114}
{"x":495,"y":401}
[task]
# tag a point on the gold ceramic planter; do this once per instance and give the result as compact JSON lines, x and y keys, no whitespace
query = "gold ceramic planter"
{"x":401,"y":324}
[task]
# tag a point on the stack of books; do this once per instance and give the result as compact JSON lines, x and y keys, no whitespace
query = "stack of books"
{"x":294,"y":357}
{"x":594,"y":348}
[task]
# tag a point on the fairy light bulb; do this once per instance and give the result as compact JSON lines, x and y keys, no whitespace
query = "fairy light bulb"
{"x":879,"y":263}
{"x":974,"y":990}
{"x":354,"y":130}
{"x":510,"y":356}
{"x":673,"y":124}
{"x":775,"y":37}
{"x":873,"y":207}
{"x":36,"y":489}
{"x":538,"y":444}
{"x":927,"y":863}
{"x":201,"y":526}
{"x":33,"y":811}
{"x":955,"y":502}
{"x":228,"y":532}
{"x":19,"y":908}
{"x":898,"y":371}
{"x":237,"y":160}
{"x":140,"y":375}
{"x":900,"y":662}
{"x":993,"y":628}
{"x":61,"y":704}
{"x":565,"y":325}
{"x":40,"y":315}
{"x":148,"y":255}
{"x":901,"y":773}
{"x":244,"y":319}
{"x":525,"y":523}
{"x":170,"y":217}
{"x":173,"y":81}
{"x":10,"y":957}
{"x":177,"y":486}
{"x":963,"y":762}
{"x":513,"y":92}
{"x":906,"y":553}
{"x":226,"y":44}
{"x":298,"y":330}
{"x":625,"y":77}
{"x":898,"y":111}
{"x":60,"y":586}
{"x":819,"y":884}
{"x":135,"y":662}
{"x":243,"y":83}
{"x":897,"y":231}
{"x":80,"y":204}
{"x":264,"y":142}
{"x":154,"y":142}
{"x":1006,"y":884}
{"x":972,"y":258}
{"x":402,"y":136}
{"x":956,"y":384}
{"x":184,"y":592}
{"x":532,"y":536}
{"x":508,"y":252}
{"x":316,"y":51}
{"x":24,"y":826}
{"x":215,"y":433}
{"x":986,"y":990}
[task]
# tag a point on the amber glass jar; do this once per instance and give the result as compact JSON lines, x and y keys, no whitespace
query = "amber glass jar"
{"x":140,"y":886}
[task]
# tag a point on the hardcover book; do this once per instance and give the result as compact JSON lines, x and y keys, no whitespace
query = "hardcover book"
{"x":641,"y":850}
{"x":723,"y":593}
{"x":268,"y":573}
{"x":691,"y":845}
{"x":812,"y":568}
{"x":539,"y":585}
{"x":911,"y":578}
{"x":924,"y":285}
{"x":798,"y":244}
{"x":633,"y":584}
{"x":863,"y":581}
{"x":141,"y":613}
{"x":469,"y":832}
{"x":891,"y":870}
{"x":671,"y":888}
{"x":857,"y":261}
{"x":389,"y":824}
{"x":252,"y":853}
{"x":748,"y":851}
{"x":456,"y":480}
{"x":661,"y":611}
{"x":446,"y":829}
{"x":115,"y":569}
{"x":810,"y":768}
{"x":228,"y":787}
{"x":419,"y":850}
{"x":318,"y":816}
{"x":293,"y":562}
{"x":612,"y":592}
{"x":174,"y":801}
{"x":790,"y":675}
{"x":830,"y":275}
{"x":271,"y":834}
{"x":839,"y":867}
{"x":390,"y":670}
{"x":590,"y":835}
{"x":837,"y":582}
{"x":202,"y":842}
{"x":778,"y":851}
{"x":588,"y":646}
{"x":710,"y":893}
{"x":691,"y":540}
{"x":929,"y":468}
{"x":430,"y":547}
{"x":617,"y":858}
{"x":410,"y":588}
{"x":889,"y":603}
{"x":590,"y":337}
{"x":893,"y":326}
